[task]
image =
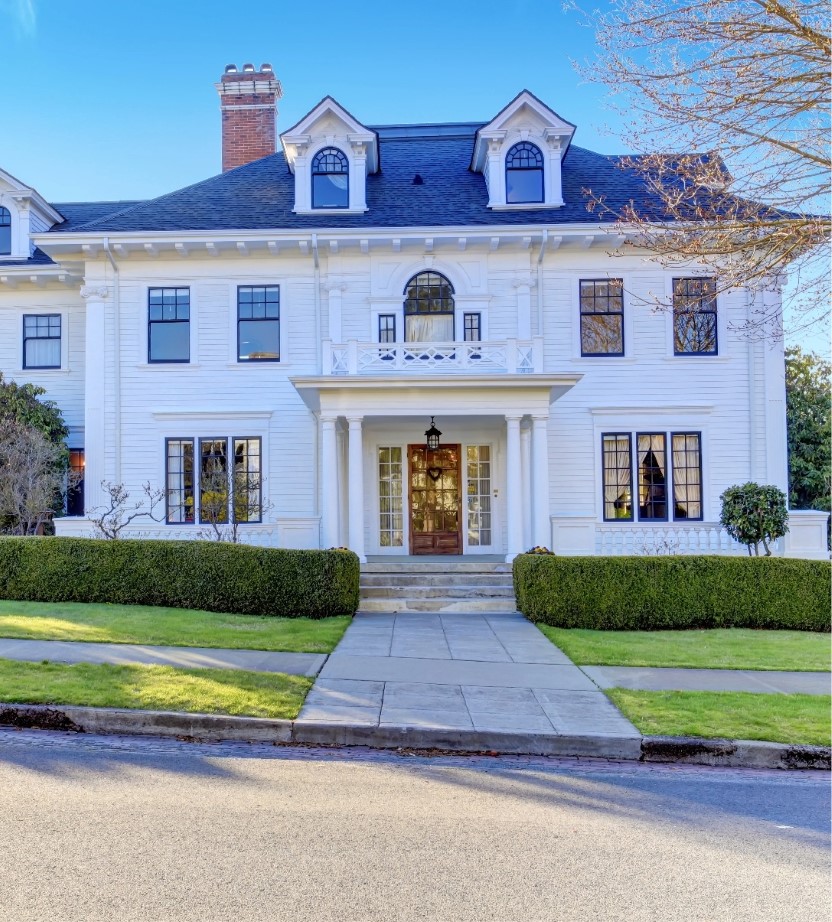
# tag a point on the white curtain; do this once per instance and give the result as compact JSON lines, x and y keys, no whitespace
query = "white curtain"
{"x":429,"y":328}
{"x":43,"y":353}
{"x":617,"y":486}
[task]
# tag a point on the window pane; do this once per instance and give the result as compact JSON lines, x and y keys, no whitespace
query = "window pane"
{"x":391,"y":532}
{"x":694,"y":316}
{"x":472,"y":328}
{"x":652,"y":476}
{"x":170,"y":342}
{"x":214,"y":487}
{"x":248,"y":480}
{"x":42,"y":353}
{"x":179,"y":481}
{"x":259,"y":340}
{"x":687,"y":476}
{"x":524,"y":185}
{"x":330,"y":191}
{"x":602,"y":334}
{"x":5,"y":240}
{"x":618,"y":494}
{"x":75,"y":496}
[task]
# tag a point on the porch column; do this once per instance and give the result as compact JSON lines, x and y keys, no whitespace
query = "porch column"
{"x":526,"y":469}
{"x":356,"y":487}
{"x":541,"y":525}
{"x":329,"y":483}
{"x":95,"y":389}
{"x":514,"y":487}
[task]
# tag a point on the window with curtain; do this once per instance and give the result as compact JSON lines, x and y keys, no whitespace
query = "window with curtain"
{"x":5,"y":232}
{"x":429,"y":309}
{"x":652,"y":476}
{"x":330,"y":179}
{"x":618,"y":476}
{"x":524,"y":174}
{"x":41,"y":340}
{"x":602,"y":317}
{"x":687,"y":475}
{"x":694,"y":316}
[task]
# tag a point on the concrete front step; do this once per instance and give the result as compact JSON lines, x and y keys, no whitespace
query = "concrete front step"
{"x":438,"y":592}
{"x":472,"y":606}
{"x":416,"y":569}
{"x":434,"y":579}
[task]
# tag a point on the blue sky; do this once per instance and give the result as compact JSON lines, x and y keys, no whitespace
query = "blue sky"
{"x":115,"y":99}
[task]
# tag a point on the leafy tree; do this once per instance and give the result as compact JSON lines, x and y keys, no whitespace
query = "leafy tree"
{"x":754,"y":514}
{"x":744,"y":85}
{"x":22,"y":403}
{"x":808,"y":412}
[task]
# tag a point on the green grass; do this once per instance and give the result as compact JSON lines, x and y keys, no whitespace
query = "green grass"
{"x":731,"y":715}
{"x":179,"y":627}
{"x":732,"y":648}
{"x":154,"y":688}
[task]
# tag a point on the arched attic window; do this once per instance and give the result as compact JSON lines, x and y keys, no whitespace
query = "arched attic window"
{"x":5,"y":232}
{"x":524,"y":174}
{"x":429,"y":309}
{"x":330,"y":179}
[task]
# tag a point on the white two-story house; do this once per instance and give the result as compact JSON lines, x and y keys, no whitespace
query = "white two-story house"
{"x":303,"y":319}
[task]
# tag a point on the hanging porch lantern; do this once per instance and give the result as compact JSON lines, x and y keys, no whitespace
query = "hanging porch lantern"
{"x":432,"y":436}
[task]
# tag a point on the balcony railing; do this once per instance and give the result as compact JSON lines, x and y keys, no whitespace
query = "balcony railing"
{"x":510,"y":357}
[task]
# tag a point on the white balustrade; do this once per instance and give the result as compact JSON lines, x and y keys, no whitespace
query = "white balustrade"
{"x":667,"y":540}
{"x":510,"y":356}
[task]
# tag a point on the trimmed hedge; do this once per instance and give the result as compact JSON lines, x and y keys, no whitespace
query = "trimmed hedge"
{"x":667,"y":593}
{"x":207,"y":575}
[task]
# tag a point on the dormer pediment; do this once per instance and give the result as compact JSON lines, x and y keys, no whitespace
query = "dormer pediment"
{"x":330,"y":124}
{"x":25,"y":212}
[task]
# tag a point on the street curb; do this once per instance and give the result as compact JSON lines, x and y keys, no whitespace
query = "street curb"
{"x":653,"y":749}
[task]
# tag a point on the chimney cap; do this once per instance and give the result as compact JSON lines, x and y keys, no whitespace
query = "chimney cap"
{"x":248,"y":68}
{"x":266,"y":69}
{"x":231,"y":68}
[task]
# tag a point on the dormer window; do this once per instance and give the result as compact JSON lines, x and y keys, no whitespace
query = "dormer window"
{"x":524,"y":174}
{"x":330,"y":179}
{"x":5,"y":232}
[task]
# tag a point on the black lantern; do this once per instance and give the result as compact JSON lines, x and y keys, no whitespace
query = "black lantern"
{"x":432,"y":436}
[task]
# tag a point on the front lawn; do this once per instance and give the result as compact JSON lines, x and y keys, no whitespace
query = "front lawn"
{"x":730,"y":715}
{"x":154,"y":688}
{"x":733,"y":648}
{"x":179,"y":627}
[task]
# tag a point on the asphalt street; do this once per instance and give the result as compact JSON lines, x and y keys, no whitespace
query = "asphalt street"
{"x":108,"y":828}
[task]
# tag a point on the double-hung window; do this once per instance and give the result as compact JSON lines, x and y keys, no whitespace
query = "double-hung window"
{"x":5,"y":232}
{"x":222,"y":482}
{"x":387,"y":328}
{"x":656,"y":474}
{"x":169,"y":325}
{"x":258,"y":323}
{"x":41,"y":340}
{"x":602,"y":317}
{"x":694,"y":316}
{"x":471,"y":328}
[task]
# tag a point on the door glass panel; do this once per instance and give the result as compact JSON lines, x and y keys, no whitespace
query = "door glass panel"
{"x":390,"y":525}
{"x":435,"y":500}
{"x":478,"y":463}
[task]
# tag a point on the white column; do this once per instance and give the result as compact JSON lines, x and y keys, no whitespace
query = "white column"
{"x":329,"y":483}
{"x":356,"y":487}
{"x":94,"y":392}
{"x":526,"y":470}
{"x":541,"y":524}
{"x":514,"y":488}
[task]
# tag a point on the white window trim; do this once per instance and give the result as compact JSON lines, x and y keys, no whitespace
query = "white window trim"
{"x":722,"y":352}
{"x":258,"y":280}
{"x":21,"y":247}
{"x":357,"y":178}
{"x":63,"y":313}
{"x":143,"y":333}
{"x":592,"y":275}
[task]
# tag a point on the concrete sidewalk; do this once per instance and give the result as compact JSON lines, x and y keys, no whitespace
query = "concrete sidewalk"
{"x":484,"y":672}
{"x":741,"y":680}
{"x":124,"y":654}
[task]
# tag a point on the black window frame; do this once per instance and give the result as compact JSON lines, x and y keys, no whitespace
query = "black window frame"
{"x":267,"y":319}
{"x":687,"y":434}
{"x":386,"y":326}
{"x":194,"y":481}
{"x":710,"y":311}
{"x":516,"y":154}
{"x":667,"y":477}
{"x":617,"y":435}
{"x":6,"y":221}
{"x":198,"y":479}
{"x":323,"y":153}
{"x":233,"y":490}
{"x":161,"y":321}
{"x":600,"y":313}
{"x":472,"y":322}
{"x":50,"y":317}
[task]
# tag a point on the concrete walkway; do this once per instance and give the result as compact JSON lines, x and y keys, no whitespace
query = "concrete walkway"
{"x":745,"y":680}
{"x":454,"y":671}
{"x":122,"y":654}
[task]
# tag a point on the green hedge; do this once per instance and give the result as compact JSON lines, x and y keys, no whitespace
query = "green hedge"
{"x":182,"y":574}
{"x":660,"y":593}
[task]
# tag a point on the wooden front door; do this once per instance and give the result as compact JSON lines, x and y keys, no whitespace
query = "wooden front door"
{"x":435,"y":500}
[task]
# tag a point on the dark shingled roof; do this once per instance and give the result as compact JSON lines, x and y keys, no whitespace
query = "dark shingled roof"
{"x":260,"y":195}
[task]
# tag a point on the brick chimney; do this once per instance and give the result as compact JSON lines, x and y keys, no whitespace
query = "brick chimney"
{"x":248,"y":102}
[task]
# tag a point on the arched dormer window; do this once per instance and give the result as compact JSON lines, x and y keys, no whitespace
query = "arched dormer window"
{"x":429,"y":309}
{"x":5,"y":232}
{"x":524,"y":174}
{"x":330,"y":179}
